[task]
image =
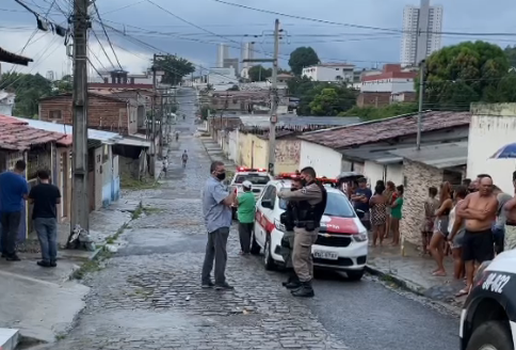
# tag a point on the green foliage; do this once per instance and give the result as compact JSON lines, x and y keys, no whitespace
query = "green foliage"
{"x":510,"y":53}
{"x":174,"y":68}
{"x":331,"y":101}
{"x":234,"y":88}
{"x":370,"y":113}
{"x":467,"y":72}
{"x":259,"y":73}
{"x":302,"y":57}
{"x":28,"y":89}
{"x":205,"y":110}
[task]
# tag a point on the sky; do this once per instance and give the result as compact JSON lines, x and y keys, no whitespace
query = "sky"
{"x":138,"y":28}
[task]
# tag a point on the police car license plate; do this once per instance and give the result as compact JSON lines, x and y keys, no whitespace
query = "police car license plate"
{"x":326,"y":255}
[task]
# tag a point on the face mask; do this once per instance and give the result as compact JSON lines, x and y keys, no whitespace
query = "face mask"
{"x":221,"y":176}
{"x":303,"y":182}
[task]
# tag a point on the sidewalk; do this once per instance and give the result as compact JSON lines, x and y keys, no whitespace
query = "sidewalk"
{"x":414,"y":273}
{"x":215,"y":152}
{"x":43,"y":303}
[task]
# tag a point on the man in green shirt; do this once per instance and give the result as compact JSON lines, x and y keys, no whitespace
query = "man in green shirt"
{"x":246,"y":210}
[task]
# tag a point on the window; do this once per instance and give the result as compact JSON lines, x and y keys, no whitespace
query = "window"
{"x":55,"y":115}
{"x":256,"y":179}
{"x":270,"y":194}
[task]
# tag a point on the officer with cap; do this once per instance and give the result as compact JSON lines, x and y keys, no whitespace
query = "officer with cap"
{"x":287,"y":242}
{"x":309,"y":209}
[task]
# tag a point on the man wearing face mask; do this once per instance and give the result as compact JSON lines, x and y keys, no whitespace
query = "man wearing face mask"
{"x":309,"y":209}
{"x":217,"y":203}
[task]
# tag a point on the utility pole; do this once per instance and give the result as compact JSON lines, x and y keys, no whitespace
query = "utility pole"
{"x":80,"y":195}
{"x":274,"y":95}
{"x":420,"y":110}
{"x":153,"y":115}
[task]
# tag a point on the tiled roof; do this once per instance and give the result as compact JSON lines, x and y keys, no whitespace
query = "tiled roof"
{"x":9,"y":57}
{"x":359,"y":134}
{"x":93,"y":94}
{"x":19,"y":137}
{"x":5,"y":119}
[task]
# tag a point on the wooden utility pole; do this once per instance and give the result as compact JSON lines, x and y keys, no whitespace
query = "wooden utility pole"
{"x":153,"y":115}
{"x":420,"y":110}
{"x":80,"y":195}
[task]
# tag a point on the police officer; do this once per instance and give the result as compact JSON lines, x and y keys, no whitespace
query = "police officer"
{"x":287,"y":242}
{"x":311,"y":203}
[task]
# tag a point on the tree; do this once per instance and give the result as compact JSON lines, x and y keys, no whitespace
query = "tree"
{"x":510,"y":52}
{"x":259,"y":73}
{"x":63,"y":86}
{"x":467,"y":72}
{"x":174,"y":68}
{"x":29,"y":89}
{"x":302,"y":57}
{"x":371,"y":113}
{"x":331,"y":101}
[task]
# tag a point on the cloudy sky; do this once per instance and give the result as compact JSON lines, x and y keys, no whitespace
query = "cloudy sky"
{"x":194,"y":29}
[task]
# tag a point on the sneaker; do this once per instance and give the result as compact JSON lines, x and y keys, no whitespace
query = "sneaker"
{"x":207,"y":285}
{"x":43,"y":263}
{"x":13,"y":258}
{"x":224,"y":286}
{"x":53,"y":263}
{"x":293,"y":285}
{"x":305,"y":291}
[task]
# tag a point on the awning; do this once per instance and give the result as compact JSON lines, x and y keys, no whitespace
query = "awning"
{"x":9,"y":57}
{"x":440,"y":156}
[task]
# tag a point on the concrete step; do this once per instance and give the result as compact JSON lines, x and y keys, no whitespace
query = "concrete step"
{"x":9,"y":338}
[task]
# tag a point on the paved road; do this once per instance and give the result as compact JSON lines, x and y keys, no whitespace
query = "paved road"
{"x":148,"y":296}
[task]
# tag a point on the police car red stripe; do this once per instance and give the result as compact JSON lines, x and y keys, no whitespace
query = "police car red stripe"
{"x":333,"y":224}
{"x":264,"y":222}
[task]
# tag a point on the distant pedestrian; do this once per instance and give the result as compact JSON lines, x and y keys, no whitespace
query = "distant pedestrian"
{"x":441,"y":228}
{"x":246,"y":204}
{"x":13,"y":192}
{"x":217,"y":202}
{"x":361,"y":199}
{"x":427,"y":228}
{"x":396,"y":210}
{"x":378,"y":204}
{"x":45,"y":198}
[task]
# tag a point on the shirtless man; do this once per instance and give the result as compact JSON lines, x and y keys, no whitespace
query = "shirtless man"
{"x":510,"y":224}
{"x":479,"y":211}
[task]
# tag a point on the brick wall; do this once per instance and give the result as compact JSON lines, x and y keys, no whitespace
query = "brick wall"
{"x":373,"y":99}
{"x":103,"y":113}
{"x":418,"y":178}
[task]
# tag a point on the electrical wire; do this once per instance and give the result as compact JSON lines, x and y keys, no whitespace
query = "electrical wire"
{"x":103,"y":49}
{"x":106,"y":34}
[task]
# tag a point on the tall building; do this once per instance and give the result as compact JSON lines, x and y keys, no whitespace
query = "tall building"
{"x":422,"y":27}
{"x":50,"y":75}
{"x":222,"y":54}
{"x":247,"y":54}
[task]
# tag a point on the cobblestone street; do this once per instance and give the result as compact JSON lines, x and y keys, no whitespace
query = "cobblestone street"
{"x":148,"y":295}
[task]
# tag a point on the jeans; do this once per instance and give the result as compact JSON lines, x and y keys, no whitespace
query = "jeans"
{"x":216,"y":250}
{"x":46,"y":228}
{"x":10,"y":226}
{"x":244,"y":232}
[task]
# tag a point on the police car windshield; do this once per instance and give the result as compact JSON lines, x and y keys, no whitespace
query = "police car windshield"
{"x":336,"y":205}
{"x":256,"y":179}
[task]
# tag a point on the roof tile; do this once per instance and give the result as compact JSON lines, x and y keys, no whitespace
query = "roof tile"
{"x":20,"y":137}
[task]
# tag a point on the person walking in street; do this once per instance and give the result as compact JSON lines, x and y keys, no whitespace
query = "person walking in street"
{"x":45,"y":198}
{"x":246,"y":204}
{"x":396,"y":210}
{"x":378,"y":204}
{"x":217,"y":202}
{"x":184,"y":158}
{"x":361,"y":199}
{"x":311,"y":203}
{"x":430,"y":207}
{"x":287,"y":241}
{"x":13,"y":191}
{"x":479,"y":211}
{"x":457,"y":229}
{"x":441,"y":228}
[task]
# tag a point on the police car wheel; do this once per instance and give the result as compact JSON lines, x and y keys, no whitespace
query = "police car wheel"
{"x":491,"y":335}
{"x":268,"y":260}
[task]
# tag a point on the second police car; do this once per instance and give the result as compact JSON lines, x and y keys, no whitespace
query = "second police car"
{"x":342,"y":243}
{"x":259,"y":177}
{"x":488,"y":319}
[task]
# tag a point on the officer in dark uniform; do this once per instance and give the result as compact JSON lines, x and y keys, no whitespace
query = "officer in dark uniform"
{"x":287,"y":242}
{"x":311,"y":203}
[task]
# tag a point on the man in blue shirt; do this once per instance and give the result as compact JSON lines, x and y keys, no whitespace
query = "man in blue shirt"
{"x":361,"y":199}
{"x":13,"y":191}
{"x":216,"y":203}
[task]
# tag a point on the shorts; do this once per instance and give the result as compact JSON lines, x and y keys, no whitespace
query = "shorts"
{"x":458,"y":240}
{"x":441,"y":225}
{"x":478,"y":246}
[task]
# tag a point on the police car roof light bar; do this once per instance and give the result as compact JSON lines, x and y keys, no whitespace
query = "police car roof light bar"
{"x":286,"y":176}
{"x":242,"y":168}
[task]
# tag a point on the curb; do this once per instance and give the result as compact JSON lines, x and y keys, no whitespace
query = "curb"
{"x":410,"y":287}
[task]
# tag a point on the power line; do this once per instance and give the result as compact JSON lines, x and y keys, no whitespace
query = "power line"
{"x":103,"y":49}
{"x":105,"y":33}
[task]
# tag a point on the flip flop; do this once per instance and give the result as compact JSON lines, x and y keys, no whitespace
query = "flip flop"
{"x":439,"y":274}
{"x":462,"y":292}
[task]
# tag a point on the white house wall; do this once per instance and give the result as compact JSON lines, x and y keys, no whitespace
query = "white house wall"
{"x":488,"y":133}
{"x":373,"y":172}
{"x":324,"y":160}
{"x":233,"y":145}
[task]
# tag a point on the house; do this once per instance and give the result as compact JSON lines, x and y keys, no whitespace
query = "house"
{"x":492,"y":127}
{"x":123,"y":79}
{"x":104,"y":112}
{"x":38,"y":148}
{"x":6,"y":102}
{"x":330,"y":72}
{"x":240,"y":101}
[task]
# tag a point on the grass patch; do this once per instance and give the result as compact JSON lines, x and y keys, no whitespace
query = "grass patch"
{"x":151,"y":210}
{"x":137,"y":213}
{"x":88,"y":267}
{"x":129,"y":183}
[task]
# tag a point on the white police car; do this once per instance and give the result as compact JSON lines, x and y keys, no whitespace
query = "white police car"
{"x":488,"y":320}
{"x":342,"y":243}
{"x":259,"y":177}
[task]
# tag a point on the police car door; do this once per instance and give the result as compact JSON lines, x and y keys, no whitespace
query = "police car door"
{"x":264,"y":214}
